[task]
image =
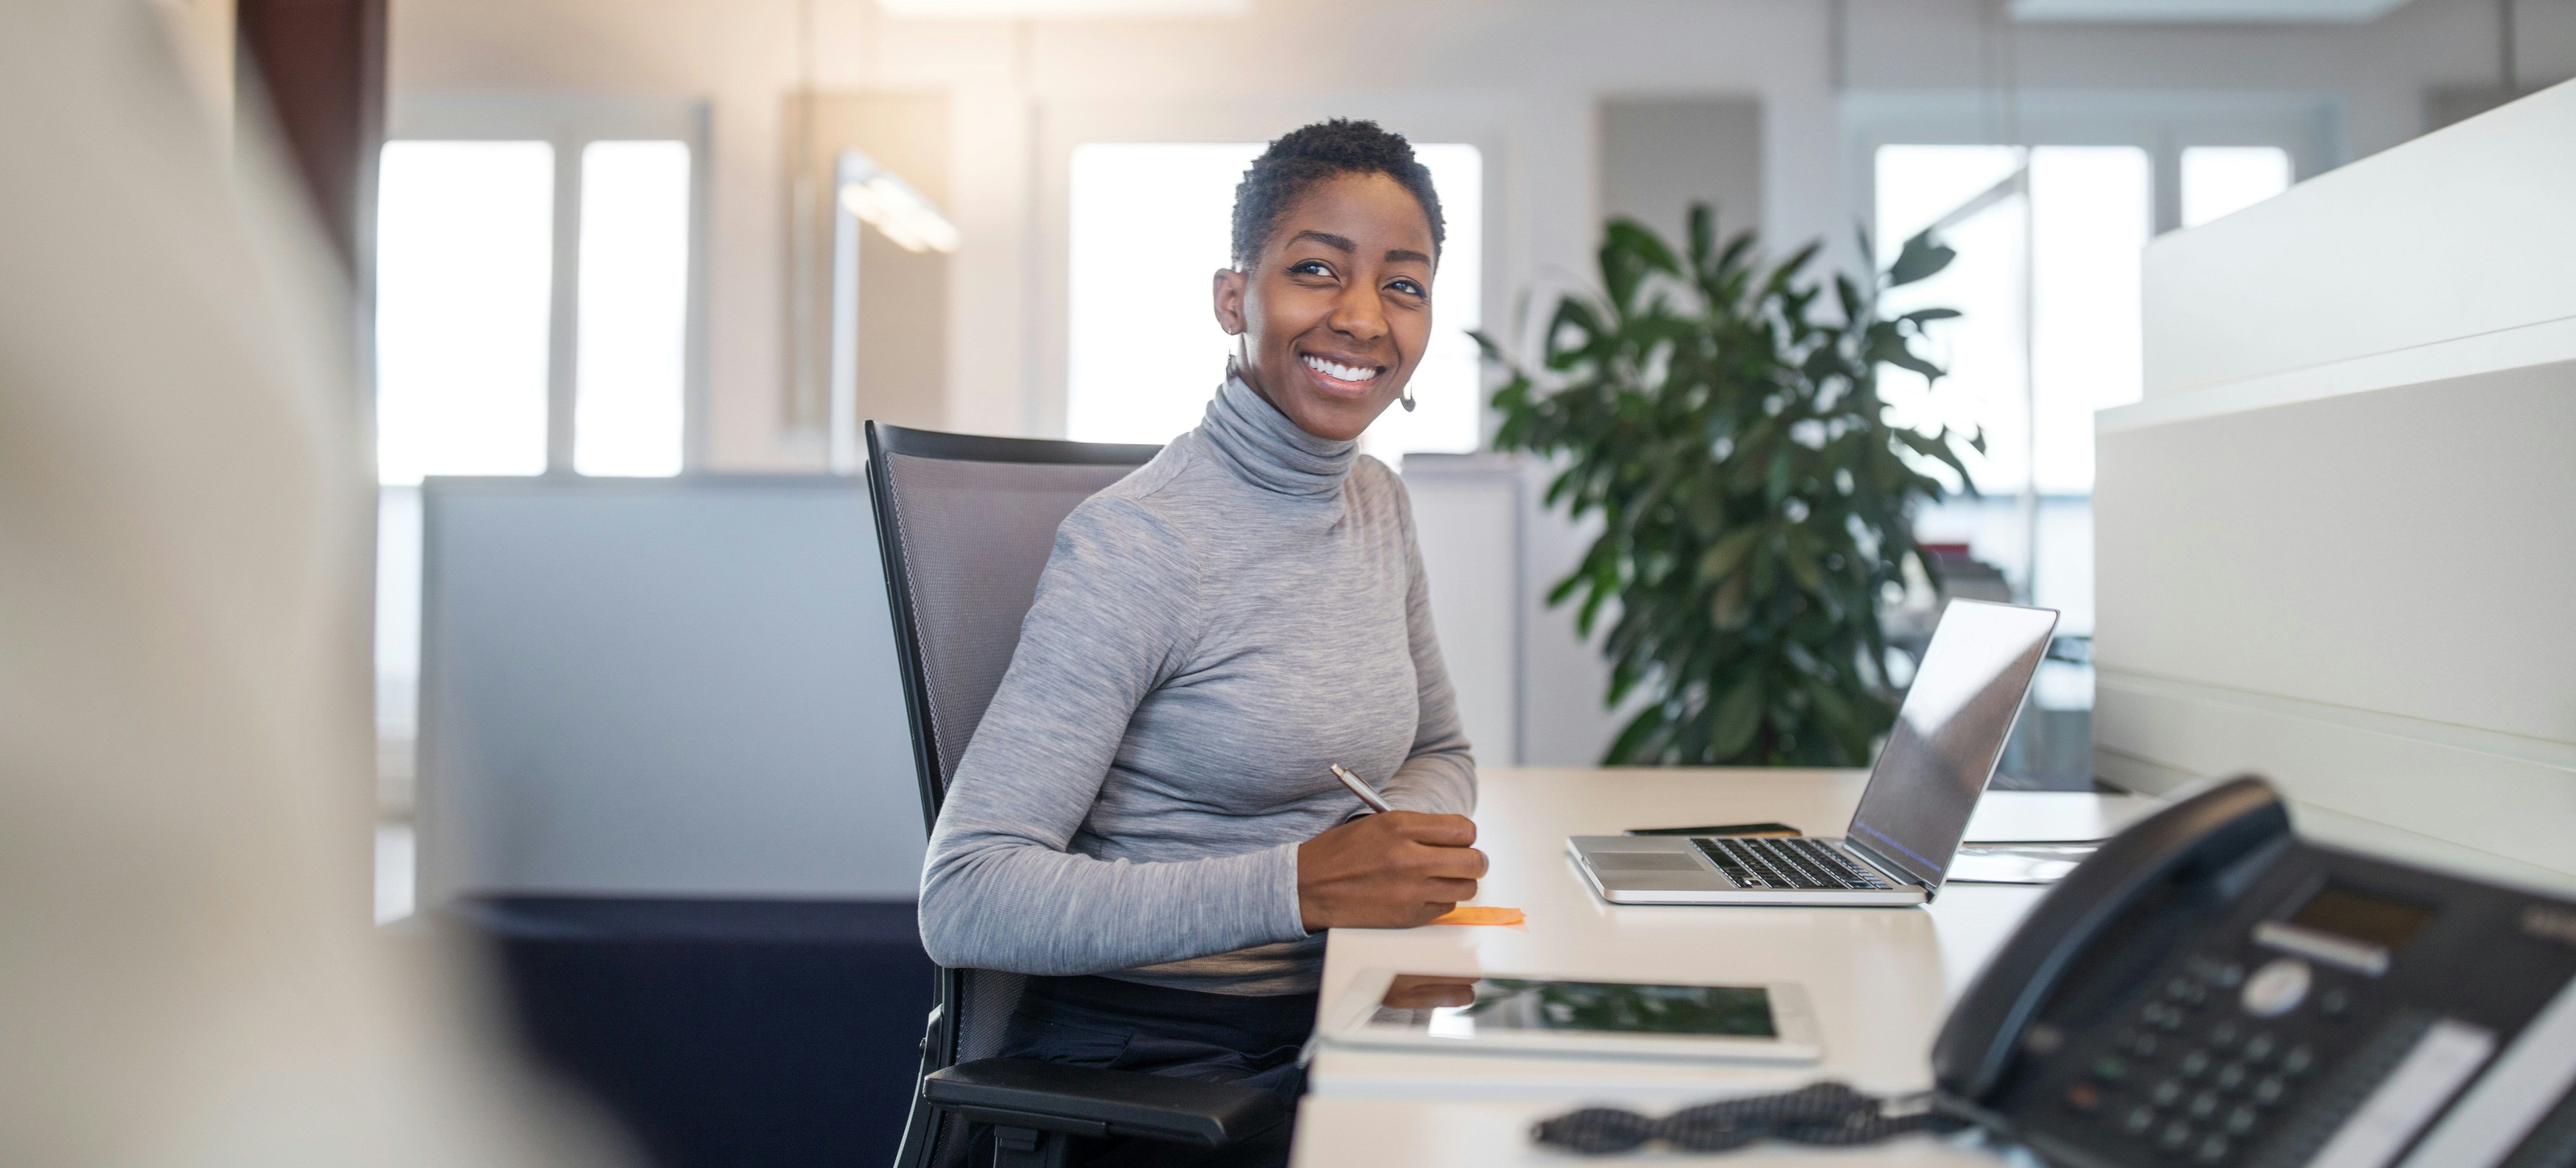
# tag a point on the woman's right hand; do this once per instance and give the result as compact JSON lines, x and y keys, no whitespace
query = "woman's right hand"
{"x":1393,"y":870}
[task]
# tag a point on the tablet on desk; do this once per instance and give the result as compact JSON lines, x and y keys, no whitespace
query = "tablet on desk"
{"x":1757,"y":1023}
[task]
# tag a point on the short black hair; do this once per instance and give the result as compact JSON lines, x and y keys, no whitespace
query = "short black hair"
{"x":1303,"y":157}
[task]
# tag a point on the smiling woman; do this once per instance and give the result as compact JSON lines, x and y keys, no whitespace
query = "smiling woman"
{"x":1147,"y":819}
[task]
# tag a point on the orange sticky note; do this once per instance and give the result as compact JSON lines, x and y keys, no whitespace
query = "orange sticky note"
{"x":1479,"y":914}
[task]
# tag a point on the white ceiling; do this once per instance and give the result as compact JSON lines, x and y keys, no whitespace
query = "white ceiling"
{"x":2206,"y":11}
{"x":2109,"y":11}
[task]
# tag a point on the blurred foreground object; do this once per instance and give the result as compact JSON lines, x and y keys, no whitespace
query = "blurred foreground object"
{"x":187,"y":969}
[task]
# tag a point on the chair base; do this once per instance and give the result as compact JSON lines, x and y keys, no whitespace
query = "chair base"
{"x":1021,"y":1147}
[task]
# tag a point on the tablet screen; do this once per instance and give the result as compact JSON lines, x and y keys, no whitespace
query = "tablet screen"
{"x":1460,"y":1007}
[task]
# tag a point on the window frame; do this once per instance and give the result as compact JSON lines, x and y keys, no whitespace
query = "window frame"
{"x":568,"y":123}
{"x":2310,"y":126}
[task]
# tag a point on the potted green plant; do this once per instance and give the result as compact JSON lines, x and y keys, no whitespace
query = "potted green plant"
{"x":1756,"y":501}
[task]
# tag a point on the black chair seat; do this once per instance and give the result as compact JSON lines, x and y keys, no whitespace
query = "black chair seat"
{"x":1087,"y":1101}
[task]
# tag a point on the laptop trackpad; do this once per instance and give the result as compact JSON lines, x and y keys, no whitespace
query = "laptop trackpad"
{"x":1646,"y":862}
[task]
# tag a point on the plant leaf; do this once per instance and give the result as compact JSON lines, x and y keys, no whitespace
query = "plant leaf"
{"x":1735,"y":717}
{"x":1726,"y":555}
{"x":1625,"y":750}
{"x":1921,"y":258}
{"x":1800,"y":555}
{"x":1727,"y":608}
{"x":1641,"y":240}
{"x":1682,"y":411}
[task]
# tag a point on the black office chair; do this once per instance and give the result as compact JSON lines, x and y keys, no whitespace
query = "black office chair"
{"x":966,"y":524}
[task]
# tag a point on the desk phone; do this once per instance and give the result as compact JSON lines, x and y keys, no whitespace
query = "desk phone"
{"x":2210,"y":990}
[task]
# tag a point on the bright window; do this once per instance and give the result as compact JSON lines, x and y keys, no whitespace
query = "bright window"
{"x":1150,"y":226}
{"x":465,"y":307}
{"x":2089,"y":213}
{"x":2218,"y":181}
{"x":464,"y":288}
{"x":2094,"y":214}
{"x":1920,"y":185}
{"x":467,"y":335}
{"x":634,"y":296}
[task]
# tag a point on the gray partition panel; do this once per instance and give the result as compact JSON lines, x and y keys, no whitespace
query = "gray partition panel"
{"x":675,"y":687}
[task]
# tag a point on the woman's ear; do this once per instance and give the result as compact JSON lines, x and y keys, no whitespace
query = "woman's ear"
{"x":1229,"y":301}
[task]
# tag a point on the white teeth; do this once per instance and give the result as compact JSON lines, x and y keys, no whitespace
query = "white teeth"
{"x":1340,"y":372}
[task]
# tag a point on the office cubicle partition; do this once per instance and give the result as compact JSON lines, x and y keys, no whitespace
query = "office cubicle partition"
{"x":664,"y":769}
{"x":660,"y":687}
{"x":2333,"y":541}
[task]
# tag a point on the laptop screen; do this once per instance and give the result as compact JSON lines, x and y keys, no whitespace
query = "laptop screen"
{"x":1950,"y":733}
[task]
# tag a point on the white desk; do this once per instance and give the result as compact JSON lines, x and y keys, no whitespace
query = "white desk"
{"x":1881,"y":979}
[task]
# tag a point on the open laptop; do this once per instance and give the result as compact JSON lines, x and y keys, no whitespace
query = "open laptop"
{"x":1949,"y":734}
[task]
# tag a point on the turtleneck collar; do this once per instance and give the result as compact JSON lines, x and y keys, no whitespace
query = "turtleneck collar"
{"x":1267,"y":449}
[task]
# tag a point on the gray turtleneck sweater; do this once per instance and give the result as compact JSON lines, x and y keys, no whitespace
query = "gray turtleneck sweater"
{"x":1211,"y":634}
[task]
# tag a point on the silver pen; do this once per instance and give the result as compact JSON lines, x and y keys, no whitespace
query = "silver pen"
{"x":1360,"y":789}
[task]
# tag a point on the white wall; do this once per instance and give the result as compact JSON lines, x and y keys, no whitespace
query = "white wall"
{"x":1522,"y":78}
{"x":2334,"y":542}
{"x":1530,"y":688}
{"x":201,"y":35}
{"x":1530,"y":69}
{"x":2379,"y":72}
{"x":1469,"y":513}
{"x":1660,"y":155}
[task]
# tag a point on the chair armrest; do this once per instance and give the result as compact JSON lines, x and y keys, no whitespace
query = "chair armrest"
{"x":1093,"y":1102}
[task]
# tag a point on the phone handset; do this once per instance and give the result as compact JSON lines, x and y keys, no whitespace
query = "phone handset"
{"x":2190,"y":839}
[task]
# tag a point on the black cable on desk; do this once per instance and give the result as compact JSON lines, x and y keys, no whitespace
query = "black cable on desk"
{"x":1823,"y":1113}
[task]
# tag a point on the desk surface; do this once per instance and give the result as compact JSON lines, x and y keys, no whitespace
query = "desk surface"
{"x":1880,"y":979}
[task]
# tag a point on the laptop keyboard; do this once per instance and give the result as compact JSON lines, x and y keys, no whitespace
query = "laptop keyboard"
{"x":1757,"y":862}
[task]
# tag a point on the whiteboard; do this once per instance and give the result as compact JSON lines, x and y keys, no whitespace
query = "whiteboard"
{"x":660,"y":687}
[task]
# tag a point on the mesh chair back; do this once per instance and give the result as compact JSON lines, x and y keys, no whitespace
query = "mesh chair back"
{"x":966,"y":525}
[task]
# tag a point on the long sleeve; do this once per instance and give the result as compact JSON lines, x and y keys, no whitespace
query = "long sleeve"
{"x":1212,"y":635}
{"x":1439,"y":774}
{"x":1115,"y":616}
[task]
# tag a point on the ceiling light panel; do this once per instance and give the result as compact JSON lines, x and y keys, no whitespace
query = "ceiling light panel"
{"x":1061,"y":9}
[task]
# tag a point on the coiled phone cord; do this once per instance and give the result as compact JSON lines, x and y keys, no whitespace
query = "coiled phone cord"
{"x":1822,"y":1113}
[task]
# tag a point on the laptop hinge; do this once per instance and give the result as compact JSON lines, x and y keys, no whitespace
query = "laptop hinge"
{"x":1880,"y":862}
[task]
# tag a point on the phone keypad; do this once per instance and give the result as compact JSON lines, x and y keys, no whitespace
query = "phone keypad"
{"x":2191,"y":1078}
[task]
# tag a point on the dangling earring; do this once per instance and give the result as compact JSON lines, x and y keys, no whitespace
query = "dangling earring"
{"x":1407,"y":400}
